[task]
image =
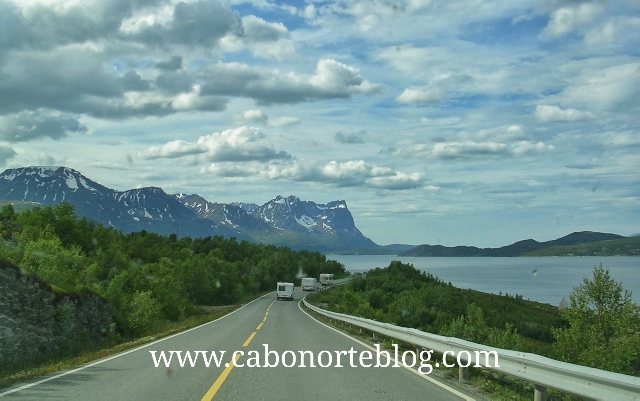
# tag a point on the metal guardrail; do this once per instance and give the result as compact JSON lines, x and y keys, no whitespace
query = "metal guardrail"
{"x":542,"y":371}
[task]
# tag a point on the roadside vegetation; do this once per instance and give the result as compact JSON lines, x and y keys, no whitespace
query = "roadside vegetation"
{"x":598,"y":327}
{"x":401,"y":294}
{"x":150,"y":282}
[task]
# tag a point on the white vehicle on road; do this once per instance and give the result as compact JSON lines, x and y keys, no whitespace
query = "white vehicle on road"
{"x":284,"y":291}
{"x":326,"y":279}
{"x":309,"y":283}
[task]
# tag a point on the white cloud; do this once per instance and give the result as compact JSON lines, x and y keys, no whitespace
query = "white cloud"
{"x":173,"y":149}
{"x":601,"y":36}
{"x":331,"y":80}
{"x":439,"y":121}
{"x":470,"y":149}
{"x":352,"y":138}
{"x":40,"y":159}
{"x":567,"y":19}
{"x":295,"y":172}
{"x":353,"y":173}
{"x":233,"y":145}
{"x":459,"y":149}
{"x":611,"y":87}
{"x":547,"y":113}
{"x":191,"y":101}
{"x":251,"y":116}
{"x":506,"y":133}
{"x":334,"y":77}
{"x":265,"y":39}
{"x":626,"y":138}
{"x":420,"y":95}
{"x":396,"y":181}
{"x":280,"y":50}
{"x":359,"y":172}
{"x":506,"y":141}
{"x":143,"y":19}
{"x":310,"y":12}
{"x":352,"y":170}
{"x":522,"y":148}
{"x":411,"y":60}
{"x":39,"y":124}
{"x":230,"y":170}
{"x":614,"y":32}
{"x":435,"y":91}
{"x":6,"y":153}
{"x":260,"y":30}
{"x":465,"y":70}
{"x":239,"y":144}
{"x":284,"y":121}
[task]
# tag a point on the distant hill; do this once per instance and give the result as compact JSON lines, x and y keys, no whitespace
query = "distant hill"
{"x":392,"y":249}
{"x":286,"y":221}
{"x":616,"y":247}
{"x":527,"y":247}
{"x":19,"y":206}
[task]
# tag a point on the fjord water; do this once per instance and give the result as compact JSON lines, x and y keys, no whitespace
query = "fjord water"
{"x":541,"y":279}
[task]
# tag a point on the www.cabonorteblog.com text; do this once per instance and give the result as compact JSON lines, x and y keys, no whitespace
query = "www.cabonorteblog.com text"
{"x":325,"y":359}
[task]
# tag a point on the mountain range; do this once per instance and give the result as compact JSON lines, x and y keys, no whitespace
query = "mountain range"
{"x":285,"y":221}
{"x":521,"y":248}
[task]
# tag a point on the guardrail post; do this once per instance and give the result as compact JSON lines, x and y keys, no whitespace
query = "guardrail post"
{"x":540,"y":393}
{"x":375,"y":336}
{"x":463,"y":374}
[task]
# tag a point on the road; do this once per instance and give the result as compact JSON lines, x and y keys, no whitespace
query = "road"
{"x":280,"y":325}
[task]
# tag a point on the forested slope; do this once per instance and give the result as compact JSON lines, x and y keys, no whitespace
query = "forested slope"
{"x":143,"y":279}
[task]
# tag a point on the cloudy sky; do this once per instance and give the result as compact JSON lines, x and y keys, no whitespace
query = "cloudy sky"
{"x":454,"y":122}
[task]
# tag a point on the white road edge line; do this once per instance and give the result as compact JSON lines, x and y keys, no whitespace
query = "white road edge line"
{"x":26,"y":386}
{"x":426,"y":377}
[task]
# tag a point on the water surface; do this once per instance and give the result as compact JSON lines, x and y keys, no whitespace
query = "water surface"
{"x":542,"y":279}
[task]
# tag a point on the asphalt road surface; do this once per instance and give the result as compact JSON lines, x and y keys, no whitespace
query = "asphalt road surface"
{"x":264,"y":323}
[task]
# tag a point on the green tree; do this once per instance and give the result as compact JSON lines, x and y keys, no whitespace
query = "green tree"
{"x":54,"y":263}
{"x":8,"y":213}
{"x":604,"y":326}
{"x":474,"y":328}
{"x":144,"y":312}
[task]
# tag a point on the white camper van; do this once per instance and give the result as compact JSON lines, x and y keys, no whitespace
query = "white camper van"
{"x":326,"y":279}
{"x":309,"y":283}
{"x":284,"y":291}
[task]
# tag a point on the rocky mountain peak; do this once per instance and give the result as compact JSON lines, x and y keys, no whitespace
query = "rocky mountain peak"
{"x":283,"y":220}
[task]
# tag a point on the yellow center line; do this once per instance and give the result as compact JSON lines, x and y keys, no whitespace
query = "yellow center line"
{"x":223,"y":376}
{"x":249,"y":339}
{"x":229,"y":366}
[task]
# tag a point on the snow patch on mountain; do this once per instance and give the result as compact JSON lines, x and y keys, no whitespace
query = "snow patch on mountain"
{"x":306,"y":221}
{"x":71,"y":182}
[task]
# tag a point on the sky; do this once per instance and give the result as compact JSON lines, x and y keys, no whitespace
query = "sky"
{"x":468,"y":122}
